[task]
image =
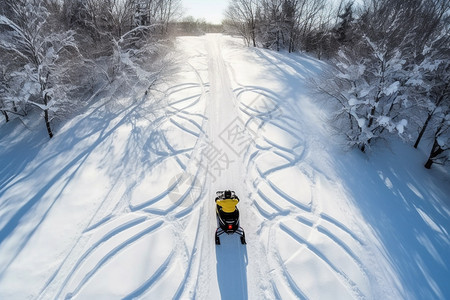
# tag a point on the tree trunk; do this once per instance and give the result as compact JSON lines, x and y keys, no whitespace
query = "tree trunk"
{"x":422,"y":131}
{"x":430,"y":115}
{"x":435,"y":151}
{"x":372,"y":113}
{"x":253,"y":32}
{"x":253,"y":37}
{"x":278,"y":41}
{"x":6,"y":116}
{"x":47,"y":123}
{"x":428,"y":163}
{"x":363,"y":148}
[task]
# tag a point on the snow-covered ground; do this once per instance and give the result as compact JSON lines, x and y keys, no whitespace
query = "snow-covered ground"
{"x":119,"y":204}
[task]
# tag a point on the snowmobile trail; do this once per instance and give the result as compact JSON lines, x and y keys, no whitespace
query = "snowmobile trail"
{"x":226,"y":170}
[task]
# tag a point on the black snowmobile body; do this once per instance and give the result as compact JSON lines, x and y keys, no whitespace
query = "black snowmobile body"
{"x":228,"y":222}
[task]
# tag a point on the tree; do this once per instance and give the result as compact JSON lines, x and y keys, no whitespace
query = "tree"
{"x":46,"y":55}
{"x":441,"y":143}
{"x":270,"y":24}
{"x":388,"y":74}
{"x":12,"y":98}
{"x":161,"y":13}
{"x":5,"y":90}
{"x":343,"y":30}
{"x":367,"y":87}
{"x":241,"y":15}
{"x":431,"y":84}
{"x":3,"y":103}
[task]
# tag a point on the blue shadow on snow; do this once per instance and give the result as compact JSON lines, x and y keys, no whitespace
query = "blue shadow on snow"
{"x":232,"y":263}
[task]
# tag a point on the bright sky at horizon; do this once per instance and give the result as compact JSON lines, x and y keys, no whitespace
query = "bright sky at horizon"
{"x":210,"y":10}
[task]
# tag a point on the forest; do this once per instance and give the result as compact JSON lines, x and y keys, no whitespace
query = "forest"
{"x":388,"y":74}
{"x":389,"y":62}
{"x":57,"y":54}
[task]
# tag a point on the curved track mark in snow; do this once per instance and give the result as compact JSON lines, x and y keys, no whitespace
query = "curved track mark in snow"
{"x":196,"y":134}
{"x":149,"y":282}
{"x":126,"y":243}
{"x":280,"y":210}
{"x":347,"y":249}
{"x":288,"y":198}
{"x":199,"y":127}
{"x":338,"y":224}
{"x":346,"y":281}
{"x":285,"y":276}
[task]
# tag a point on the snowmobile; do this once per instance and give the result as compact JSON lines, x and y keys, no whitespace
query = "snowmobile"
{"x":228,"y":215}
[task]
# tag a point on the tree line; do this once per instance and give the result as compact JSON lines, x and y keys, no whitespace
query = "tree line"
{"x":389,"y":72}
{"x":389,"y":59}
{"x":191,"y":26}
{"x":54,"y":52}
{"x":282,"y":24}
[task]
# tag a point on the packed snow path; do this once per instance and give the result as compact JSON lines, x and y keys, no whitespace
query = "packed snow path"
{"x":119,"y":205}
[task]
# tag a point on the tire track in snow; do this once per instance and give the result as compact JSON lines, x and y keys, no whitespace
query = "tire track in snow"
{"x":112,"y":253}
{"x":152,"y":280}
{"x":278,"y":266}
{"x":81,"y":267}
{"x":340,"y":274}
{"x":180,"y":108}
{"x":331,"y":236}
{"x":189,"y":254}
{"x":182,"y":127}
{"x":193,"y":264}
{"x":199,"y":127}
{"x":195,"y":253}
{"x":176,"y":204}
{"x":341,"y":226}
{"x":313,"y":210}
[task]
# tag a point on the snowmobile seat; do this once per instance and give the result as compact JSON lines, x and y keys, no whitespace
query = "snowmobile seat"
{"x":233,"y":216}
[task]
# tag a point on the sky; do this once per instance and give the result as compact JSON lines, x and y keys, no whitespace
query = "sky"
{"x":210,"y":10}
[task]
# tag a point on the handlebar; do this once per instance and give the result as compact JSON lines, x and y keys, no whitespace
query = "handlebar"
{"x":220,"y":193}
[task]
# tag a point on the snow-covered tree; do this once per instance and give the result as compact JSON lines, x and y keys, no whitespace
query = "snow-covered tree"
{"x":271,"y":24}
{"x":385,"y":81}
{"x":441,"y":142}
{"x":429,"y":84}
{"x":429,"y":89}
{"x":46,"y":55}
{"x":277,"y":24}
{"x":14,"y":90}
{"x":4,"y":104}
{"x":133,"y":56}
{"x":343,"y":29}
{"x":241,"y":16}
{"x":367,"y":89}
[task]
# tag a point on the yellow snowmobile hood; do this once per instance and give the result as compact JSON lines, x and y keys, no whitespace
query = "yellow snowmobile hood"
{"x":228,"y":205}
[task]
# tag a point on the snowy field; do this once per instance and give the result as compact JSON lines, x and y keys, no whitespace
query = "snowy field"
{"x":119,"y":204}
